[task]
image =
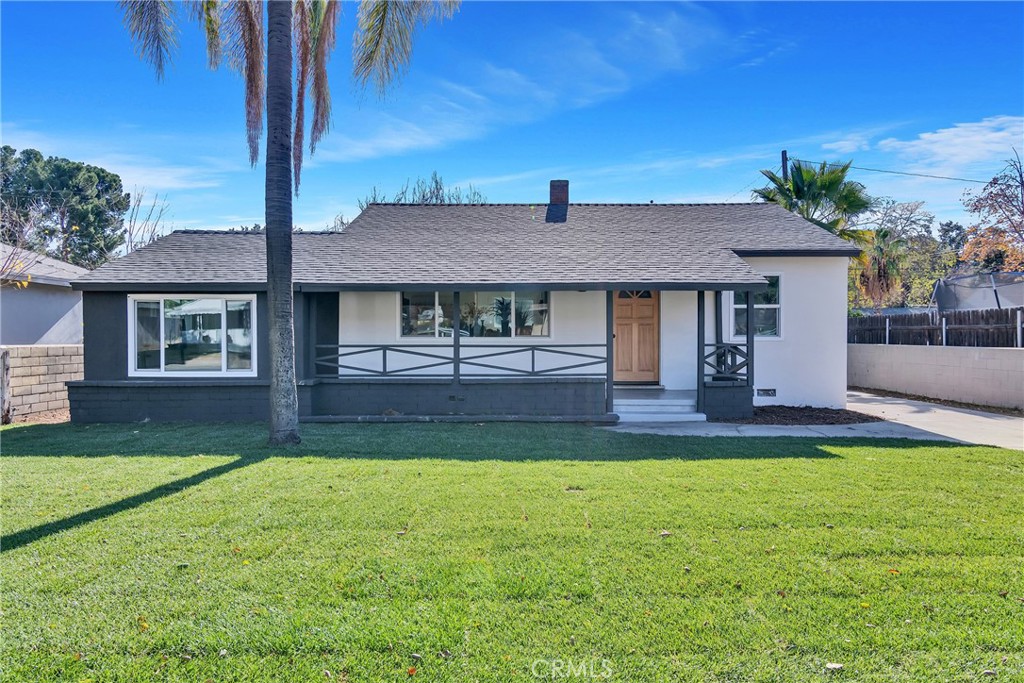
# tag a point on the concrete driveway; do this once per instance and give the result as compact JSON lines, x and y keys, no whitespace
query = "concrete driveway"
{"x":904,"y":419}
{"x":955,"y":424}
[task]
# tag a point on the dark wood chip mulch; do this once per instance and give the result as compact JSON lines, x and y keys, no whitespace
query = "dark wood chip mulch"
{"x":803,"y":415}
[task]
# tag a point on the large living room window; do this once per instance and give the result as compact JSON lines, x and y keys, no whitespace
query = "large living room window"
{"x":767,"y":311}
{"x":482,"y":314}
{"x":192,"y":336}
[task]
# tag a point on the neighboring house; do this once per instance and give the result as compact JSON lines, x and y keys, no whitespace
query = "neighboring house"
{"x":501,"y":311}
{"x":42,"y":308}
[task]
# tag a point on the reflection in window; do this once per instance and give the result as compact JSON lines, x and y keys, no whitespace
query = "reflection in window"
{"x":428,"y":314}
{"x":147,"y":335}
{"x":767,"y":309}
{"x":192,"y":334}
{"x":505,"y":314}
{"x":180,"y":335}
{"x":239,"y":335}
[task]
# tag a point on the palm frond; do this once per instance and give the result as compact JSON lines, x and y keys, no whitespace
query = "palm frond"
{"x":151,"y":24}
{"x":324,"y":32}
{"x":301,"y":30}
{"x":383,"y":40}
{"x":243,"y":28}
{"x":207,"y":13}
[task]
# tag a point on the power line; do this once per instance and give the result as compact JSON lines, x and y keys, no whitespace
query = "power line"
{"x":880,"y":170}
{"x":729,"y":198}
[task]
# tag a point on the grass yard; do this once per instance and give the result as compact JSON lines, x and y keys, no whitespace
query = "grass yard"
{"x":504,"y":553}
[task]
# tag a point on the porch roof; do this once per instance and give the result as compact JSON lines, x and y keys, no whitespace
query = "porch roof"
{"x":508,"y":246}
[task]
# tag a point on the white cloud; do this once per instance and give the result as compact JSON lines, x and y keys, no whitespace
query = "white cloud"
{"x":962,"y":149}
{"x":115,"y":151}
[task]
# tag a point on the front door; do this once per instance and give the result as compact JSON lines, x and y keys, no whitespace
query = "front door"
{"x":636,"y":336}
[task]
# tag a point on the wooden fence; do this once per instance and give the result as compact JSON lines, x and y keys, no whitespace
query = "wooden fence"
{"x":990,"y":327}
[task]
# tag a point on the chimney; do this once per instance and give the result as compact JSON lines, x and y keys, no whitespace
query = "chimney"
{"x":559,"y":192}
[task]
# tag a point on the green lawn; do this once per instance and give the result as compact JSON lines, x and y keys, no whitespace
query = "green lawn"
{"x":182,"y":552}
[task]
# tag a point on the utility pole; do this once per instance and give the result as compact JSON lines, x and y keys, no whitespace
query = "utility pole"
{"x":785,"y":166}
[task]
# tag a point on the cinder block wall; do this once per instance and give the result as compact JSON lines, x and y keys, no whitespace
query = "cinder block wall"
{"x":38,"y":375}
{"x":986,"y":376}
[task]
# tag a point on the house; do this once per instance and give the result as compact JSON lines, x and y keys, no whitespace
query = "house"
{"x":41,"y":308}
{"x":553,"y":311}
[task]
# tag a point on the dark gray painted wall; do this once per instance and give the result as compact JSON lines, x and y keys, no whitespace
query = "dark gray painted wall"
{"x":549,"y":396}
{"x":171,"y":401}
{"x":241,"y":400}
{"x":728,"y":402}
{"x":105,"y":318}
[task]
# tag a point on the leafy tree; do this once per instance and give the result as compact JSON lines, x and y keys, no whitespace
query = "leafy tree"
{"x":305,"y":30}
{"x":822,"y":195}
{"x":903,"y":220}
{"x":953,"y":235}
{"x":79,"y":208}
{"x":432,"y":191}
{"x":996,"y":240}
{"x":880,"y":264}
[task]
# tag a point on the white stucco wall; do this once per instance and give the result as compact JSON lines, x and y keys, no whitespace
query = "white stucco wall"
{"x":372,"y":318}
{"x":805,"y":366}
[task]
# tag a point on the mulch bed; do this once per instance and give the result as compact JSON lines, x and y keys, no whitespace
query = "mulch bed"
{"x":794,"y":415}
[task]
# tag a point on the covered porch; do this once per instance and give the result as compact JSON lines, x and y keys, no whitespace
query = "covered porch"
{"x":570,"y":374}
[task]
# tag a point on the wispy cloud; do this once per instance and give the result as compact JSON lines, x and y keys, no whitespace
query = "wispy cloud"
{"x":116,"y":151}
{"x":964,"y":148}
{"x":553,"y":70}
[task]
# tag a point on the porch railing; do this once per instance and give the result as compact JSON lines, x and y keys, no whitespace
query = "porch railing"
{"x":472,"y":360}
{"x":725,"y":362}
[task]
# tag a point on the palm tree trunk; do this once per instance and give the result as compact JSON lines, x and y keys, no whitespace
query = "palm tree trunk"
{"x":284,"y":405}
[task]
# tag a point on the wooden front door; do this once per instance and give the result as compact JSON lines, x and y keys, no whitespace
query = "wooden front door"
{"x":636,"y":336}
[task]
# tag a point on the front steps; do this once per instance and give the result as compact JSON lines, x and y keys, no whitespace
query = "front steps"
{"x":661,"y":409}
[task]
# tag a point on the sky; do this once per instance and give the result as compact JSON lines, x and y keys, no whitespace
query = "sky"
{"x":631,"y":102}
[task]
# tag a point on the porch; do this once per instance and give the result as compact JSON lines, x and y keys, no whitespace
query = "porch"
{"x":523,"y":377}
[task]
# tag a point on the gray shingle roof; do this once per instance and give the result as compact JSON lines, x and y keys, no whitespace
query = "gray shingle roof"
{"x":388,"y":245}
{"x":40,"y":269}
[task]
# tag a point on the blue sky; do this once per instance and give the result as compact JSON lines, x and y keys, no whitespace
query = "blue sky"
{"x":632,"y":102}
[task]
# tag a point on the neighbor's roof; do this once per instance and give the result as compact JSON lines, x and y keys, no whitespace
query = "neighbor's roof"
{"x":584,"y":246}
{"x":38,"y":268}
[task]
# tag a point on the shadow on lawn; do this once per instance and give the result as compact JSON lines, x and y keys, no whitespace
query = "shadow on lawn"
{"x":508,"y":442}
{"x":522,"y":443}
{"x":23,"y":537}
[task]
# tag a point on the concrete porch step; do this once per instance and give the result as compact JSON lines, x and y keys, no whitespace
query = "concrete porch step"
{"x":663,"y":418}
{"x":638,"y":403}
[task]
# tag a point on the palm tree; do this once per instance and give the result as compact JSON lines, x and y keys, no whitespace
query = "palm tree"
{"x":879,"y":264}
{"x":234,"y":33}
{"x":822,"y":195}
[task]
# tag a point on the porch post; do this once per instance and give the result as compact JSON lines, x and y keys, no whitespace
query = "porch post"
{"x":719,"y":326}
{"x":700,"y":350}
{"x":312,"y":315}
{"x":456,"y":336}
{"x":609,"y":345}
{"x":750,"y":339}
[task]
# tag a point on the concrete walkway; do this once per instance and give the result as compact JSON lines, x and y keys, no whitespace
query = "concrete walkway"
{"x":955,"y":424}
{"x":905,"y":419}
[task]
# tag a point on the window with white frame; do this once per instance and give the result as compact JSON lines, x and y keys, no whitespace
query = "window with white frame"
{"x":767,"y":314}
{"x":192,"y":336}
{"x":482,"y":314}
